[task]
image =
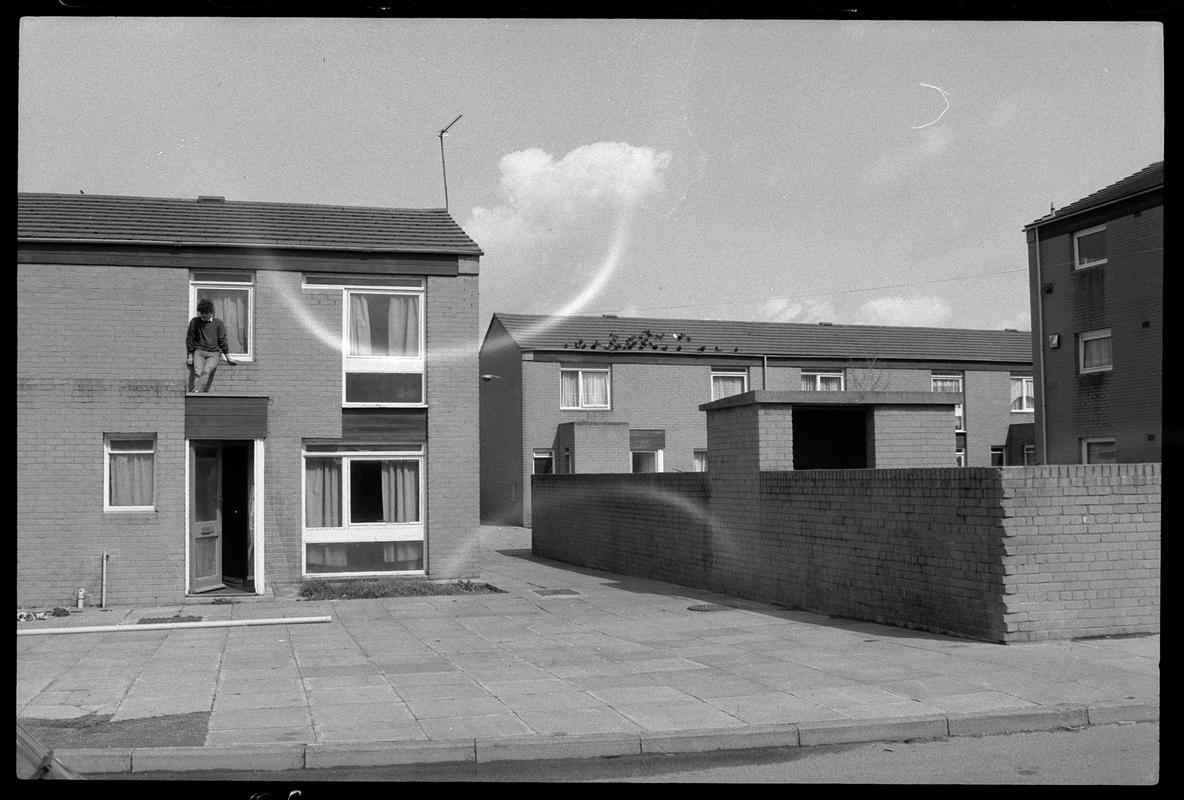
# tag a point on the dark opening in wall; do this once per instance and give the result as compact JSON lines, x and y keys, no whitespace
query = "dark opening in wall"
{"x":829,"y":438}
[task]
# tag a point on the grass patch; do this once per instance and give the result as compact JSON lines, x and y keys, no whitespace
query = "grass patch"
{"x":364,"y":588}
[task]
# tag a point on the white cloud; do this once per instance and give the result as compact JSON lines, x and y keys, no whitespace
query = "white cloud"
{"x":918,"y":311}
{"x":781,"y":309}
{"x":560,"y":228}
{"x":544,"y":200}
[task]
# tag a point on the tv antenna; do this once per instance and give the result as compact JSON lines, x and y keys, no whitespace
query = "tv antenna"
{"x":443,"y":167}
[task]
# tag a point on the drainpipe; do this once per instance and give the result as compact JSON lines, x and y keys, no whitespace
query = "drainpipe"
{"x":103,"y":581}
{"x":1040,"y":346}
{"x":764,"y":372}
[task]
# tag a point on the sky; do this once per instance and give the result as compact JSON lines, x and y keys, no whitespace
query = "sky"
{"x":861,"y":172}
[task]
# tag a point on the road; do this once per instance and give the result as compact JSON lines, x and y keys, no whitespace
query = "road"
{"x":1122,"y":754}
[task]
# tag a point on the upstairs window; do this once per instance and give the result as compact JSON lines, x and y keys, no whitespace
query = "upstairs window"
{"x":950,"y":383}
{"x":544,"y":462}
{"x":725,"y":383}
{"x":233,"y":296}
{"x":129,"y":473}
{"x":822,"y":381}
{"x":1089,"y":247}
{"x":583,"y":389}
{"x":1023,"y":393}
{"x":383,"y":356}
{"x":1093,"y":350}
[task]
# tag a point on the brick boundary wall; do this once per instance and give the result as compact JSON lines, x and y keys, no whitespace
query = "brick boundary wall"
{"x":996,"y":554}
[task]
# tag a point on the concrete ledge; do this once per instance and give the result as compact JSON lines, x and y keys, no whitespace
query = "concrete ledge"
{"x":97,"y":761}
{"x":1018,"y":720}
{"x":269,"y":757}
{"x":891,"y":729}
{"x":708,"y":740}
{"x":1108,"y":713}
{"x":382,"y":754}
{"x":531,"y":748}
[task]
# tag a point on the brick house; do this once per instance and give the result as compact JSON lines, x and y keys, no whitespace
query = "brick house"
{"x":338,"y":446}
{"x":1096,"y":282}
{"x":608,"y":394}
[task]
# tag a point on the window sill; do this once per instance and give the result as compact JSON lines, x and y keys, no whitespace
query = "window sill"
{"x":131,"y":510}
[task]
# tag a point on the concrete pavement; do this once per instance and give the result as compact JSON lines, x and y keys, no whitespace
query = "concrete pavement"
{"x":566,"y":662}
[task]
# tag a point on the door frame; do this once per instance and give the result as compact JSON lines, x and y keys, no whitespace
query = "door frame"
{"x":258,"y":493}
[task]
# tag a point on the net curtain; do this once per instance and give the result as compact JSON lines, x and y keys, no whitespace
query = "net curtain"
{"x":383,"y":325}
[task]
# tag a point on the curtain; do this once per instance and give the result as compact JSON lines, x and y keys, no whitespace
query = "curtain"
{"x":947,"y":385}
{"x":727,"y":385}
{"x":231,"y":306}
{"x":131,"y":479}
{"x":400,"y":491}
{"x":401,"y":551}
{"x":326,"y":555}
{"x":1096,"y":353}
{"x":569,"y":389}
{"x":1021,"y":399}
{"x":359,"y":325}
{"x":403,"y":326}
{"x":595,"y":388}
{"x":830,"y":383}
{"x":322,"y":502}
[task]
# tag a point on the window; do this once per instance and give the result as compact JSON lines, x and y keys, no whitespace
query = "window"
{"x":959,"y":457}
{"x":569,"y":464}
{"x":725,"y":383}
{"x":233,"y":296}
{"x":1097,"y":451}
{"x":647,"y":460}
{"x":363,"y":512}
{"x":544,"y":462}
{"x":822,"y":381}
{"x":1029,"y":455}
{"x":699,"y":461}
{"x":129,"y":472}
{"x":950,"y":383}
{"x":1023,"y":393}
{"x":584,"y":389}
{"x":998,"y":455}
{"x":383,"y":356}
{"x":1089,"y":247}
{"x":1093,"y":351}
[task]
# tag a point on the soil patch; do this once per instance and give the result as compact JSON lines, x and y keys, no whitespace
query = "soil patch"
{"x":366,"y":588}
{"x":97,"y":730}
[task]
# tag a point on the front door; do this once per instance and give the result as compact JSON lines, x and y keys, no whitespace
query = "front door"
{"x":205,"y":522}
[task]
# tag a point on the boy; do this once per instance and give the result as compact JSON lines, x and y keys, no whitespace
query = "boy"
{"x":205,"y":344}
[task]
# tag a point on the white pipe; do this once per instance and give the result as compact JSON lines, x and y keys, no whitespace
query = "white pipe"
{"x":103,"y":582}
{"x":161,"y":626}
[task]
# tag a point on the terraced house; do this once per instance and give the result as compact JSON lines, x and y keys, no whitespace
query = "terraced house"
{"x":338,"y":444}
{"x":588,"y":394}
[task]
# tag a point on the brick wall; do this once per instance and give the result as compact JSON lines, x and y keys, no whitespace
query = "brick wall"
{"x":453,"y":378}
{"x":1125,"y":295}
{"x":913,"y":436}
{"x":999,"y":554}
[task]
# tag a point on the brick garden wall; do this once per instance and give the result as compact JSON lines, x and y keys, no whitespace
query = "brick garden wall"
{"x":998,"y":554}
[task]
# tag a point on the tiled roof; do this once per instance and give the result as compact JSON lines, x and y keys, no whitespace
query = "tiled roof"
{"x":1146,"y":178}
{"x":716,"y":337}
{"x":214,"y":222}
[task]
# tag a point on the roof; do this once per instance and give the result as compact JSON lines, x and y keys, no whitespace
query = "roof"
{"x":215,"y":222}
{"x":1149,"y":177}
{"x":717,"y":337}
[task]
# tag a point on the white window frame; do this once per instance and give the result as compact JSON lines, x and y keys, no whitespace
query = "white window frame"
{"x":659,"y":465}
{"x":818,"y":376}
{"x":1001,"y":451}
{"x":959,"y":415}
{"x":960,"y":457}
{"x":541,"y":453}
{"x":1076,"y":254}
{"x":1086,"y":442}
{"x":124,"y":437}
{"x":580,"y":372}
{"x":195,"y":288}
{"x":350,"y":532}
{"x":742,"y":374}
{"x":1028,"y":381}
{"x":1029,"y":455}
{"x":351,"y":364}
{"x":1091,"y":336}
